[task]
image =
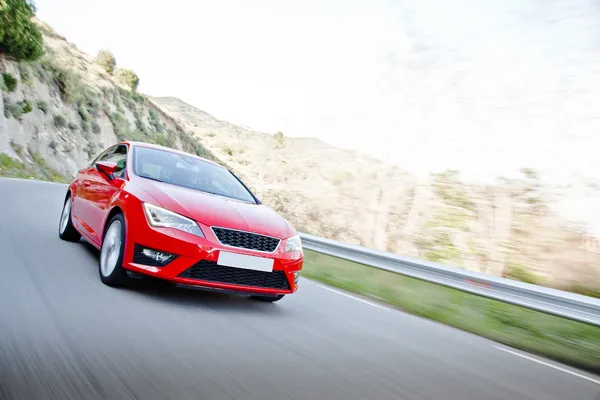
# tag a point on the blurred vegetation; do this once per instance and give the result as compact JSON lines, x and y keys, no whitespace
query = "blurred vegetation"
{"x":16,"y":110}
{"x":566,"y":341}
{"x":10,"y":82}
{"x":107,"y":60}
{"x":20,"y":38}
{"x":43,"y":106}
{"x":519,"y":273}
{"x":279,"y":140}
{"x":25,"y":72}
{"x":60,"y":121}
{"x":38,"y":169}
{"x":129,"y":78}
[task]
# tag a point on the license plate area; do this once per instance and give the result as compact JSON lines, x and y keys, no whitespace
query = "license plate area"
{"x":243,"y":261}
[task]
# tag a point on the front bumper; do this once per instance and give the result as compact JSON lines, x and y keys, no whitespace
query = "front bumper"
{"x":195,"y":263}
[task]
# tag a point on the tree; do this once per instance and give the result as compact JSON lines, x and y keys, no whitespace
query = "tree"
{"x":106,"y":60}
{"x":129,"y":78}
{"x":20,"y":38}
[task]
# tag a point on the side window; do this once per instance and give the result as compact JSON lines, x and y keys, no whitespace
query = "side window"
{"x":103,"y":155}
{"x":119,"y":156}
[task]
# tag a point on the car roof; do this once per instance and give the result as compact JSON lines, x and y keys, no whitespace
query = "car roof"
{"x":156,"y":146}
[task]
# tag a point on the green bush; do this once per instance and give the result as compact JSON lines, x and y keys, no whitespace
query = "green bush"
{"x":20,"y":38}
{"x":60,"y":121}
{"x":25,"y":106}
{"x":68,"y":83}
{"x":120,"y":125}
{"x":154,"y":120}
{"x":86,"y":116}
{"x":90,"y":150}
{"x":138,"y":98}
{"x":16,"y":147}
{"x":10,"y":82}
{"x":25,"y":72}
{"x":14,"y":110}
{"x":91,"y":100}
{"x":106,"y":60}
{"x":279,"y":140}
{"x":129,"y":78}
{"x":43,"y":106}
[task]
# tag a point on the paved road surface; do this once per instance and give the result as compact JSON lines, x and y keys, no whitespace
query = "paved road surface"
{"x":64,"y":335}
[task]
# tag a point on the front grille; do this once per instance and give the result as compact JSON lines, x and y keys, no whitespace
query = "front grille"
{"x":212,"y":272}
{"x":246,"y":240}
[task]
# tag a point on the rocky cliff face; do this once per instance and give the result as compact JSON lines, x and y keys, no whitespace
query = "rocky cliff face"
{"x":64,"y":109}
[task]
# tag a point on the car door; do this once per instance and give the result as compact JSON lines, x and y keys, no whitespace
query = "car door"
{"x":102,"y":188}
{"x":81,"y":199}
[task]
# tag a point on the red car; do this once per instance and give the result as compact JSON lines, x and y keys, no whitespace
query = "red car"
{"x":161,"y":212}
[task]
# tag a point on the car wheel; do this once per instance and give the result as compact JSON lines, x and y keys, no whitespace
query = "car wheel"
{"x":111,"y":253}
{"x":66,"y":230}
{"x":268,"y":299}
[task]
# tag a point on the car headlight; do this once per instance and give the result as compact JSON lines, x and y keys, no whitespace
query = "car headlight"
{"x":160,"y":217}
{"x":293,"y":244}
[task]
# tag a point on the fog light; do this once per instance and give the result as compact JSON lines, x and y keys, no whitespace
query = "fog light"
{"x":151,"y":257}
{"x":296,"y":277}
{"x":162,"y":258}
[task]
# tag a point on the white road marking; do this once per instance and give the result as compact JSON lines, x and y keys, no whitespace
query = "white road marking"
{"x":550,"y":365}
{"x":354,"y":297}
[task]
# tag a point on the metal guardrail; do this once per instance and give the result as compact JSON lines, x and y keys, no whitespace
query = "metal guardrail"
{"x":556,"y":302}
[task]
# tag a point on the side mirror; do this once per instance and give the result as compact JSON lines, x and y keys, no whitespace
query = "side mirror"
{"x":108,"y":167}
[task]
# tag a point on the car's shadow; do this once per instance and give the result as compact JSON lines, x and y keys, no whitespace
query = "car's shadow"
{"x":167,"y":292}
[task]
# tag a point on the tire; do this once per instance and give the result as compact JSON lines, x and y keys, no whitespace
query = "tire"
{"x":110,"y":265}
{"x":268,"y":299}
{"x":66,"y":230}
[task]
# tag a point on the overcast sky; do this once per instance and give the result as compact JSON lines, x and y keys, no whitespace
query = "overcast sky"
{"x":485,"y":86}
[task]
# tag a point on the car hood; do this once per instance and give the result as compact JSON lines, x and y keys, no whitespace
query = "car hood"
{"x":214,"y":210}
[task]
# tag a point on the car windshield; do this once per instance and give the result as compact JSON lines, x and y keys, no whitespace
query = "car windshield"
{"x":189,"y":172}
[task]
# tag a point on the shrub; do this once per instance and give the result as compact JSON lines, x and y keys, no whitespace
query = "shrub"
{"x":129,"y":78}
{"x":20,"y":38}
{"x":90,"y":149}
{"x":60,"y":121}
{"x":86,"y":116}
{"x":279,"y":140}
{"x":138,"y":98}
{"x":96,"y":128}
{"x":43,"y":106}
{"x":25,"y":72}
{"x":91,"y":100}
{"x":154,"y":120}
{"x":201,"y":151}
{"x":120,"y":124}
{"x":10,"y":82}
{"x":73,"y":126}
{"x":25,"y":106}
{"x":68,"y":83}
{"x":14,"y":110}
{"x":106,"y":60}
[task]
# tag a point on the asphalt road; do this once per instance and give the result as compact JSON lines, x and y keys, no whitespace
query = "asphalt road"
{"x":65,"y":335}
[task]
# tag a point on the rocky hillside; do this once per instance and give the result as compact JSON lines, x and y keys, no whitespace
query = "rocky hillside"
{"x":504,"y":229}
{"x":58,"y":112}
